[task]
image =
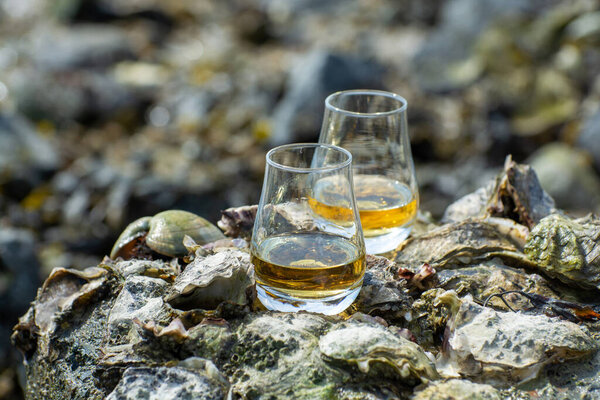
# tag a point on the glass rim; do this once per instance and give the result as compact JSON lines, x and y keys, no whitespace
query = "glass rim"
{"x":341,"y":164}
{"x":373,"y":92}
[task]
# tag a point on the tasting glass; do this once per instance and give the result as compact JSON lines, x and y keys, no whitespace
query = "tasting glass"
{"x":302,"y":263}
{"x":372,"y":125}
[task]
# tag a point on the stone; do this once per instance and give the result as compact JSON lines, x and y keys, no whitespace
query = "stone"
{"x":589,"y":138}
{"x":568,"y":176}
{"x":299,"y":114}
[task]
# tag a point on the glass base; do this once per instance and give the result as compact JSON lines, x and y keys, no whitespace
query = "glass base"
{"x":276,"y":300}
{"x":388,"y":241}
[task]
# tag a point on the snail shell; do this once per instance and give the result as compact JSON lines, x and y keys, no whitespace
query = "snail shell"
{"x":126,"y":240}
{"x":168,"y":228}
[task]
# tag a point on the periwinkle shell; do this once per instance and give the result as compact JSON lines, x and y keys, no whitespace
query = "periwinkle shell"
{"x":164,"y":233}
{"x":168,"y":228}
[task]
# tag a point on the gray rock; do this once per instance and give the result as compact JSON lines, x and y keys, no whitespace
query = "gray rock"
{"x":79,"y":46}
{"x":589,"y":138}
{"x":566,"y":174}
{"x":19,"y":279}
{"x":298,"y":116}
{"x":21,"y":147}
{"x":444,"y":63}
{"x":80,"y":95}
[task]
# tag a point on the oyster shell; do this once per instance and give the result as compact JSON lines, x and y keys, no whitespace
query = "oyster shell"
{"x":505,"y":348}
{"x":280,"y":351}
{"x":376,"y":350}
{"x":461,"y":243}
{"x":493,"y":277}
{"x":153,"y":269}
{"x":238,"y":221}
{"x":382,"y":293}
{"x":168,"y":384}
{"x":63,"y":292}
{"x":458,"y":389}
{"x":515,"y":194}
{"x":567,"y":249}
{"x":211,"y":280}
{"x":139,"y":302}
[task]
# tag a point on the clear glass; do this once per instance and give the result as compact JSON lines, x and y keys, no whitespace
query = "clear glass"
{"x":304,"y":261}
{"x":372,"y":125}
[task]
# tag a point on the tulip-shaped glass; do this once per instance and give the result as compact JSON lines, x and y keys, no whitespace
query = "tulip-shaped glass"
{"x":372,"y":125}
{"x":303,"y":263}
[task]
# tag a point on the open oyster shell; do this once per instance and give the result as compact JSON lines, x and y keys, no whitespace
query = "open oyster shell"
{"x":516,"y":194}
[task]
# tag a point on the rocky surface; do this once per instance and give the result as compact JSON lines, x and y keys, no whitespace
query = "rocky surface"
{"x":111,"y":110}
{"x":462,"y":325}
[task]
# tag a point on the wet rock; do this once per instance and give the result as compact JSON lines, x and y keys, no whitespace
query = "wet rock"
{"x":567,"y":175}
{"x":320,"y":73}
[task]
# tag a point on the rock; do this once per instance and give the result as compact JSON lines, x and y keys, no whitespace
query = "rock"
{"x":22,"y":149}
{"x":73,"y":95}
{"x":79,"y":46}
{"x":19,"y":279}
{"x":589,"y":138}
{"x":445,"y":62}
{"x":117,"y":336}
{"x":297,"y":117}
{"x":567,"y":175}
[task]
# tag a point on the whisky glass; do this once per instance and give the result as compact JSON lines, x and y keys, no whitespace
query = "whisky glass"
{"x":301,"y":263}
{"x":372,"y":125}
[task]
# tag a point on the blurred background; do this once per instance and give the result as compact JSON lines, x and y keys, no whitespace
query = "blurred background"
{"x":115,"y":109}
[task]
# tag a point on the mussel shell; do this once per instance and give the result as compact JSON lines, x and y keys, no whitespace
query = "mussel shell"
{"x":168,"y":228}
{"x":126,"y":240}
